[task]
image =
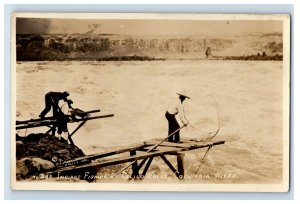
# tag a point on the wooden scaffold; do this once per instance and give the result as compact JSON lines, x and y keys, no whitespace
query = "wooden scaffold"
{"x":139,"y":156}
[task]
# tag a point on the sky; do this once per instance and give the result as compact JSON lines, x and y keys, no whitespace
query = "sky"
{"x":143,"y":27}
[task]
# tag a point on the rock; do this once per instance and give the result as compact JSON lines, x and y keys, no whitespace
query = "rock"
{"x":21,"y":169}
{"x":62,"y":151}
{"x":36,"y":152}
{"x":19,"y":143}
{"x":30,"y":166}
{"x":46,"y":147}
{"x":43,"y":164}
{"x":33,"y":137}
{"x":20,"y":148}
{"x":18,"y":138}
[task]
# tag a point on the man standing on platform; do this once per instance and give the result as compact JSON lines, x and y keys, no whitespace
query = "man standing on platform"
{"x":176,"y":108}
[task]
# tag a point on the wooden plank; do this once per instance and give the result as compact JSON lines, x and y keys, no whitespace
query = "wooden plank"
{"x":123,"y":150}
{"x":170,"y":151}
{"x":113,"y":152}
{"x":18,"y":122}
{"x":51,"y":122}
{"x":168,"y":144}
{"x":115,"y":161}
{"x":39,"y":124}
{"x":188,"y":146}
{"x":182,"y":140}
{"x":189,"y":140}
{"x":100,"y":155}
{"x":72,"y":162}
{"x":159,"y":148}
{"x":199,"y":146}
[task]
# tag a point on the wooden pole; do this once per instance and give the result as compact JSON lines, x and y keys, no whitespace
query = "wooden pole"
{"x":140,"y":166}
{"x":53,"y":130}
{"x":70,"y":139}
{"x":147,"y":167}
{"x":48,"y":118}
{"x":180,"y":165}
{"x":78,"y":127}
{"x":33,"y":120}
{"x":39,"y":124}
{"x":170,"y":165}
{"x":86,"y":119}
{"x":135,"y":170}
{"x":51,"y":122}
{"x":96,"y":117}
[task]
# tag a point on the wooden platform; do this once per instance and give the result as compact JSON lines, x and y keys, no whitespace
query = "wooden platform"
{"x":139,"y":155}
{"x":52,"y":123}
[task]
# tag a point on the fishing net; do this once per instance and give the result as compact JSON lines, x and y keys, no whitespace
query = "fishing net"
{"x":203,"y":113}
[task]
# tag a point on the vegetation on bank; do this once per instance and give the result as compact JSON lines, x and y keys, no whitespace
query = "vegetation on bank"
{"x":253,"y":58}
{"x":127,"y":48}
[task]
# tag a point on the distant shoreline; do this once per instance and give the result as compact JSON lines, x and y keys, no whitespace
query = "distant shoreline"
{"x":147,"y":58}
{"x":131,"y":48}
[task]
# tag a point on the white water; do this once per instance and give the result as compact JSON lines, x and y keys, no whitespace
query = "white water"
{"x":249,"y":95}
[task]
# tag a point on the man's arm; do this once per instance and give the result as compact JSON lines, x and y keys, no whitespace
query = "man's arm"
{"x":65,"y":109}
{"x":181,"y":115}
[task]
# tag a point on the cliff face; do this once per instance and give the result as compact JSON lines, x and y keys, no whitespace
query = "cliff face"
{"x":95,"y":47}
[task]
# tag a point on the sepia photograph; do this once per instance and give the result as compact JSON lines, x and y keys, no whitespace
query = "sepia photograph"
{"x":150,"y":102}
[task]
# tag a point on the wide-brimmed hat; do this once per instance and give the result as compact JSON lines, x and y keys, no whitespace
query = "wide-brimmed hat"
{"x":184,"y":93}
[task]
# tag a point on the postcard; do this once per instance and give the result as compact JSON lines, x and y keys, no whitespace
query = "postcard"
{"x":150,"y":102}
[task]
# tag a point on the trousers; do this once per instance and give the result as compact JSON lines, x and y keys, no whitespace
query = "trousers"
{"x":62,"y":121}
{"x":50,"y":102}
{"x":173,"y":126}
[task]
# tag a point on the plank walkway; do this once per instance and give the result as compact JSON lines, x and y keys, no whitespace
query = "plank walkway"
{"x":139,"y":156}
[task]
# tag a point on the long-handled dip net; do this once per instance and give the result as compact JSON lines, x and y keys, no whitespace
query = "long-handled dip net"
{"x":203,"y":115}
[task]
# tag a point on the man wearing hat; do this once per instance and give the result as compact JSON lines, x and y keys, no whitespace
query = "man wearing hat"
{"x":172,"y":111}
{"x":51,"y":100}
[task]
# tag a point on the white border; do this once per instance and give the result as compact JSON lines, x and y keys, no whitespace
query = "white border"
{"x":283,"y":187}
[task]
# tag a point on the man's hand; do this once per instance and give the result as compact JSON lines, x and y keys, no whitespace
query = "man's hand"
{"x":186,"y":123}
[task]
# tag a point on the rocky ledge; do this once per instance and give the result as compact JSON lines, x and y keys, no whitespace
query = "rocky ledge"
{"x":38,"y":153}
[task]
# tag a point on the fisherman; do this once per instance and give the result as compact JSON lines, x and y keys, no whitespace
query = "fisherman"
{"x":176,"y":108}
{"x":51,"y":100}
{"x":73,"y":112}
{"x":62,"y":128}
{"x":68,"y":109}
{"x":63,"y":117}
{"x":67,"y":112}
